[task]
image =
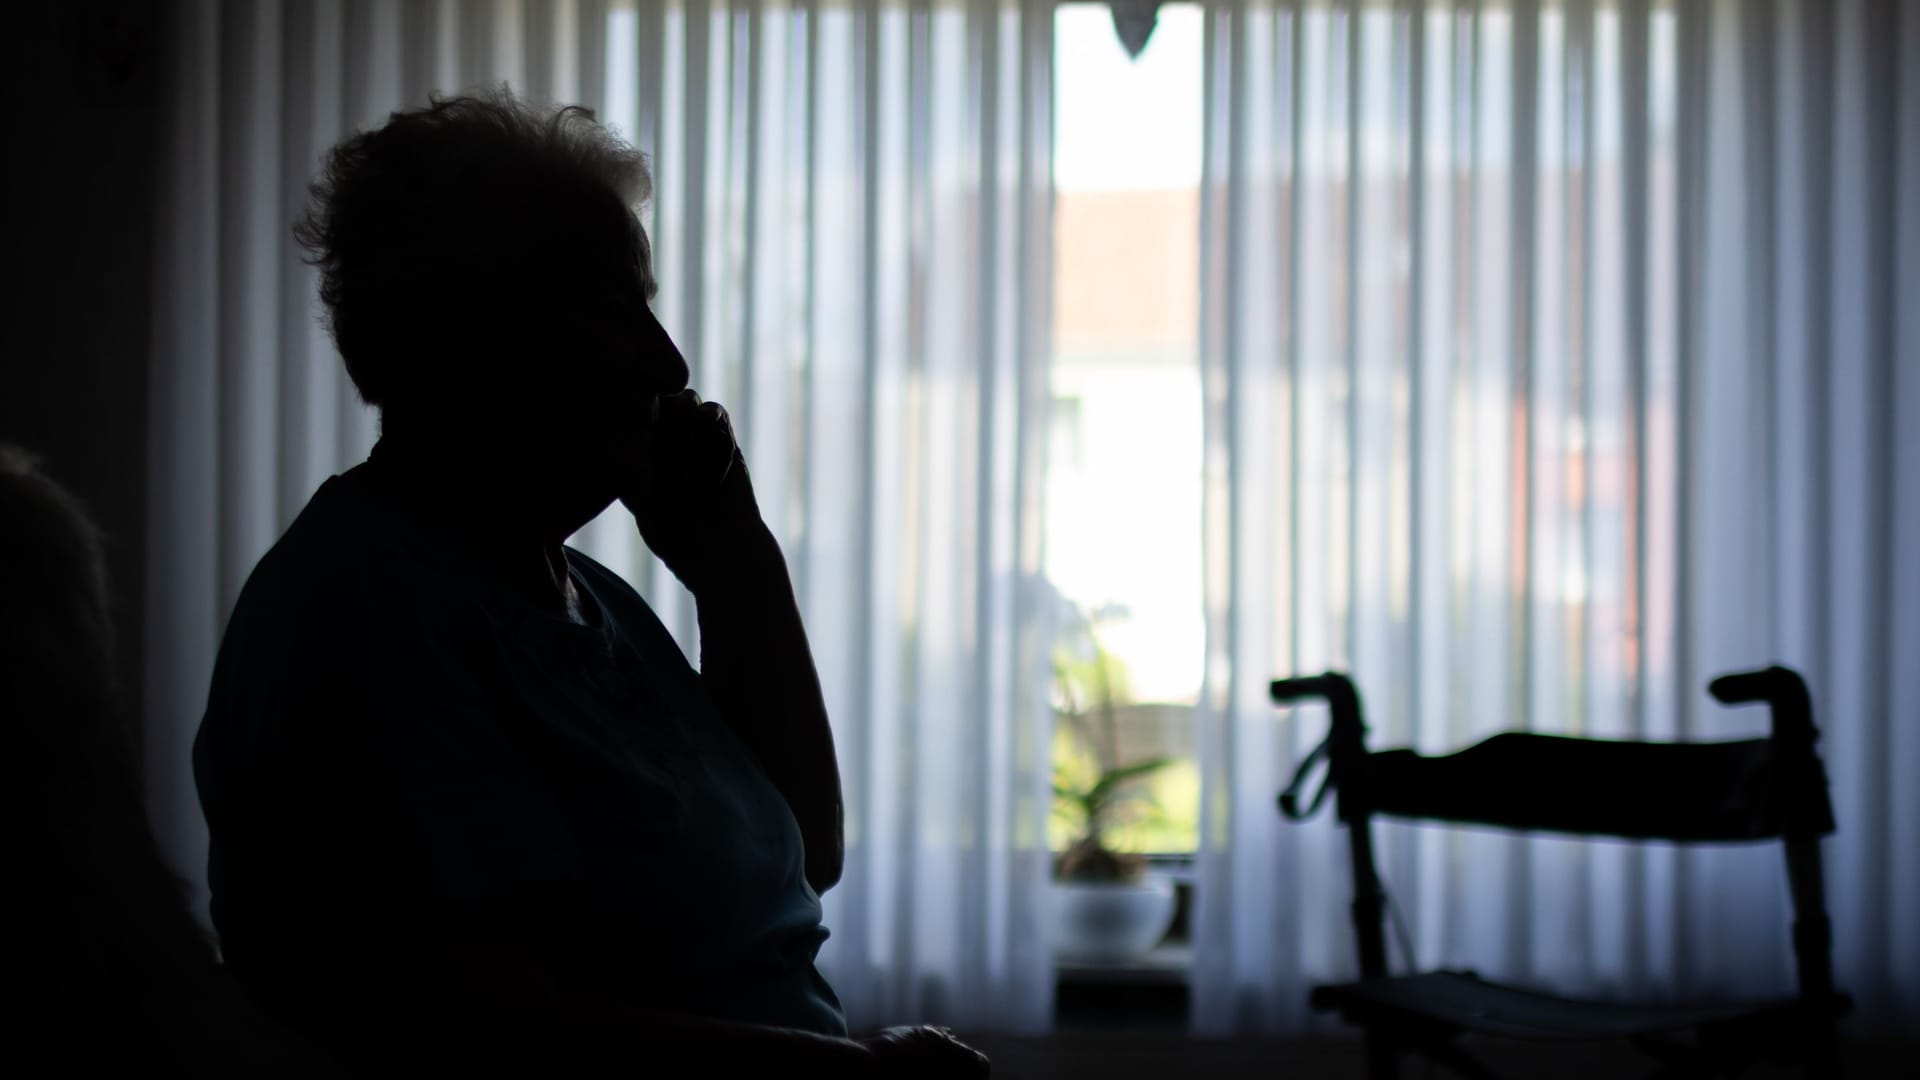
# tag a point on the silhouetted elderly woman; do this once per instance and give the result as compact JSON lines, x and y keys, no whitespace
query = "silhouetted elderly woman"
{"x":106,"y":973}
{"x":469,"y":803}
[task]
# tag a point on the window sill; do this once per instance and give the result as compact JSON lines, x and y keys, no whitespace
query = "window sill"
{"x":1168,"y":964}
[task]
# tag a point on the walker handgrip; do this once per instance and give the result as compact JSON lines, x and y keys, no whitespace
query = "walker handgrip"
{"x":1335,"y":689}
{"x":1767,"y":684}
{"x":1780,"y":688}
{"x":1300,"y":687}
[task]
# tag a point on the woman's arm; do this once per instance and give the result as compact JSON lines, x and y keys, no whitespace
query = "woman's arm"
{"x":693,"y":501}
{"x":758,"y":669}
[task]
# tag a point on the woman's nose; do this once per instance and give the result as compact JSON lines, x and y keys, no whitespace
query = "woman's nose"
{"x":665,"y":369}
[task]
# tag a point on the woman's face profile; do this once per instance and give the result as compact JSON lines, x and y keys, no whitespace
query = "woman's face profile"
{"x":590,"y":413}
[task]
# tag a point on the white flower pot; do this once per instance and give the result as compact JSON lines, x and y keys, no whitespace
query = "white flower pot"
{"x":1109,"y":923}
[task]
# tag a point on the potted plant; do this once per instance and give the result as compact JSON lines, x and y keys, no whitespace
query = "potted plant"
{"x":1106,"y":908}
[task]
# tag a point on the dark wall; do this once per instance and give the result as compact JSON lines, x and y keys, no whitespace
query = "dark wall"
{"x":80,"y":172}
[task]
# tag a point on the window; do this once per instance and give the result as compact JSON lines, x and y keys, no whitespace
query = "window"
{"x":1123,"y":488}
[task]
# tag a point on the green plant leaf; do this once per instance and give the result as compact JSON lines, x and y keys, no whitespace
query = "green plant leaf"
{"x":1113,"y":778}
{"x":1141,"y":768}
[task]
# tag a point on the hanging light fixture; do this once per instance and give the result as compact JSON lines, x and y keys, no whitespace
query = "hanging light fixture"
{"x":1134,"y":20}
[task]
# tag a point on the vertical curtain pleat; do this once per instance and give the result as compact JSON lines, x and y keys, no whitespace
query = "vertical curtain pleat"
{"x":247,"y":395}
{"x":851,"y":227}
{"x":309,"y":400}
{"x":1553,"y":365}
{"x":1432,"y":152}
{"x":1864,"y":500}
{"x":1903,"y":636}
{"x":587,"y":54}
{"x":1020,"y":975}
{"x":183,"y":552}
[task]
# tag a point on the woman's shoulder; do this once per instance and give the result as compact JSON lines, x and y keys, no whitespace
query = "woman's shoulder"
{"x":333,"y":560}
{"x":346,"y":580}
{"x":347,"y":608}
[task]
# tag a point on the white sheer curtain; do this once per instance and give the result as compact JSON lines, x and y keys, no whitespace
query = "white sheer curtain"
{"x":851,"y":227}
{"x":1557,"y":360}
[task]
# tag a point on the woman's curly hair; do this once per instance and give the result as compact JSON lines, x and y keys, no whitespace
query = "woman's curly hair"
{"x":448,"y":236}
